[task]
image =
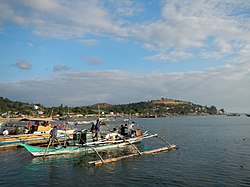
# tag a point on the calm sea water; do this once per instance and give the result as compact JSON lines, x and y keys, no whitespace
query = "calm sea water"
{"x":214,"y":151}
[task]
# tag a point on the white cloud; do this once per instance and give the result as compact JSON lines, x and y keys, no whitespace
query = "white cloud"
{"x":217,"y":27}
{"x":171,"y":56}
{"x":59,"y":68}
{"x":211,"y":26}
{"x":126,"y":8}
{"x":243,"y":55}
{"x":23,"y":65}
{"x":92,"y":60}
{"x":88,"y":42}
{"x":61,"y":19}
{"x":225,"y":87}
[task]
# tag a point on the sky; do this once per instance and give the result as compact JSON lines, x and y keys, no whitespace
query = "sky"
{"x":83,"y":52}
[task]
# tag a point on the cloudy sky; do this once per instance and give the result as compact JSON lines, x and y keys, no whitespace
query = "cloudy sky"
{"x":84,"y":52}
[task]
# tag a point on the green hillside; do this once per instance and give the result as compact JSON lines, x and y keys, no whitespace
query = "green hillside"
{"x":162,"y":107}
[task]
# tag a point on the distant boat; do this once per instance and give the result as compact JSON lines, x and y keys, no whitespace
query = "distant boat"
{"x":233,"y":114}
{"x":248,"y":115}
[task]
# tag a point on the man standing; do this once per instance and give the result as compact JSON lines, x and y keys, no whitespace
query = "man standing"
{"x":97,"y":129}
{"x":53,"y":135}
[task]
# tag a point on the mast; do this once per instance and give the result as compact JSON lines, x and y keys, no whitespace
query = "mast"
{"x":98,"y":111}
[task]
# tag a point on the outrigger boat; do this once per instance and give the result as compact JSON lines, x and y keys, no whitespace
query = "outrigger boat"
{"x":84,"y":144}
{"x":87,"y":148}
{"x":39,"y":136}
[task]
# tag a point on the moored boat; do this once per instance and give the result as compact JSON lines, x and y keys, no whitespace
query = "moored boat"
{"x":93,"y":141}
{"x":38,"y":135}
{"x":91,"y":147}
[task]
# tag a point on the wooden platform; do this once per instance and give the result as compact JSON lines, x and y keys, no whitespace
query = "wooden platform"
{"x":162,"y":149}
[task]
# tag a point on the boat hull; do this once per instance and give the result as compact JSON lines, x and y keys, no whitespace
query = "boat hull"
{"x":14,"y":140}
{"x":87,"y":148}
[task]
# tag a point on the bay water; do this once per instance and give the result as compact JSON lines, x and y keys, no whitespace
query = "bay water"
{"x":213,"y":151}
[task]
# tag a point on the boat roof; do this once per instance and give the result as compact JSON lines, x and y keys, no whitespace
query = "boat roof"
{"x":36,"y":119}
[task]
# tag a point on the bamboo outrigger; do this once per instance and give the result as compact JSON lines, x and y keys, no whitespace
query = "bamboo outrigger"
{"x":163,"y":149}
{"x":169,"y":147}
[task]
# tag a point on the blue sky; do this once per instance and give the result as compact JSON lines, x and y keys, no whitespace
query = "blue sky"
{"x":85,"y":52}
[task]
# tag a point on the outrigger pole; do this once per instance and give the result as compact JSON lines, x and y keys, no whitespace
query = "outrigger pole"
{"x":139,"y":152}
{"x":169,"y":147}
{"x":65,"y":139}
{"x":50,"y":140}
{"x":99,"y":112}
{"x":164,"y":140}
{"x":163,"y":149}
{"x":98,"y":154}
{"x":94,"y":150}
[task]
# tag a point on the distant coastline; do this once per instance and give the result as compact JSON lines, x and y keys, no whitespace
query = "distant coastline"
{"x":146,"y":109}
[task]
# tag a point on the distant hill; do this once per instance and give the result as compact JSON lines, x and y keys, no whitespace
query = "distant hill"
{"x":161,"y":107}
{"x":101,"y":105}
{"x":164,"y":107}
{"x":16,"y":107}
{"x":170,"y":102}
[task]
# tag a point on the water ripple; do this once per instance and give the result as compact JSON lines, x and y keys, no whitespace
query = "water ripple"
{"x":214,"y":151}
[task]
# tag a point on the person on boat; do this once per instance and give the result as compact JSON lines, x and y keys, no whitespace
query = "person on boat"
{"x":32,"y":129}
{"x":115,"y":130}
{"x":92,"y":129}
{"x":5,"y":132}
{"x":123,"y":129}
{"x":53,"y":135}
{"x":29,"y":124}
{"x":132,"y":129}
{"x":36,"y":125}
{"x":113,"y":135}
{"x":59,"y":127}
{"x":53,"y":132}
{"x":97,"y":129}
{"x":126,"y":129}
{"x":19,"y":130}
{"x":45,"y":123}
{"x":26,"y":130}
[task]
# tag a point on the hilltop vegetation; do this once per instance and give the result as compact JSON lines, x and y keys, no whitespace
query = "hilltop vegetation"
{"x":16,"y":107}
{"x":162,"y":107}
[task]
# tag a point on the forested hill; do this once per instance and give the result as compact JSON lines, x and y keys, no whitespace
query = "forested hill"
{"x":7,"y":105}
{"x":161,"y":107}
{"x":164,"y":107}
